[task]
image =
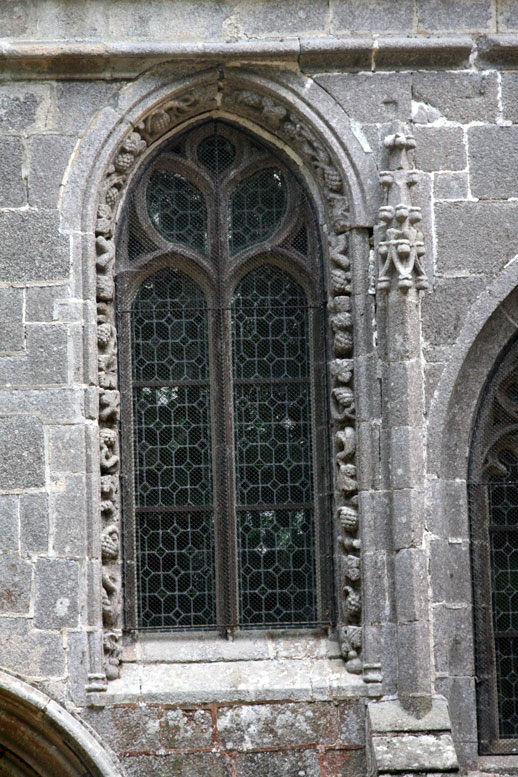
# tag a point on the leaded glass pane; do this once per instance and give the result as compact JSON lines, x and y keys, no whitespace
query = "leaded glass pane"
{"x":269,"y":315}
{"x":170,"y":341}
{"x":172,"y":453}
{"x":177,"y":209}
{"x":256,"y":209}
{"x":277,"y":567}
{"x":273,"y":461}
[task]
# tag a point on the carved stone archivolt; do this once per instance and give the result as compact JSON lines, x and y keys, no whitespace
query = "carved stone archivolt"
{"x":286,"y":124}
{"x":399,"y":239}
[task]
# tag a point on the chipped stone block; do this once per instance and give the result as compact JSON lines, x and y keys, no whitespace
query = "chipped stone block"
{"x":12,"y":187}
{"x":41,"y":251}
{"x":359,"y":16}
{"x":460,"y":97}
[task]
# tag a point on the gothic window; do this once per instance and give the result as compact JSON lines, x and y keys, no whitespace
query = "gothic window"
{"x":493,"y":498}
{"x":221,"y":320}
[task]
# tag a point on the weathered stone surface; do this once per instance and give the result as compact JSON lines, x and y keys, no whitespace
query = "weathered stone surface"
{"x":45,"y":361}
{"x":292,"y":17}
{"x":461,"y":97}
{"x":14,"y":18}
{"x":453,"y":645}
{"x":33,"y":653}
{"x":493,"y":161}
{"x":67,"y":448}
{"x":390,"y":716}
{"x":9,"y":531}
{"x":34,"y":238}
{"x":69,"y":517}
{"x":22,"y":462}
{"x":48,"y":158}
{"x":466,"y":236}
{"x":79,"y":101}
{"x":278,"y":764}
{"x":358,"y":16}
{"x":249,"y":727}
{"x":450,"y":186}
{"x":11,"y":320}
{"x":370,"y":98}
{"x":51,"y":404}
{"x":40,"y":301}
{"x":185,"y":765}
{"x":15,"y":584}
{"x":449,"y":569}
{"x":127,"y":727}
{"x":441,"y":322}
{"x":65,"y":21}
{"x":12,"y":187}
{"x":407,"y":752}
{"x":440,"y":148}
{"x":190,"y":729}
{"x":56,"y":603}
{"x":466,"y":15}
{"x":411,"y":584}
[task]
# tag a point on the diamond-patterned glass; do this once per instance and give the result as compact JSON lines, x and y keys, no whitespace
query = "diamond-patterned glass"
{"x":273,"y":459}
{"x":216,"y":153}
{"x":172,"y":453}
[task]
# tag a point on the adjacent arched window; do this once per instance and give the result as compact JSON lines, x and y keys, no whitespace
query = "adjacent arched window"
{"x":221,"y":317}
{"x":493,"y":500}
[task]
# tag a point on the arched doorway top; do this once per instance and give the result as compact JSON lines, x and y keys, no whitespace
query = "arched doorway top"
{"x":41,"y":739}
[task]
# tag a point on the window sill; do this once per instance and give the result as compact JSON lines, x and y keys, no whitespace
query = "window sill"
{"x":498,"y":764}
{"x":265,"y":667}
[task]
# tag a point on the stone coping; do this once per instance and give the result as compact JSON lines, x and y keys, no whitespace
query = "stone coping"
{"x":89,"y":58}
{"x":236,"y":681}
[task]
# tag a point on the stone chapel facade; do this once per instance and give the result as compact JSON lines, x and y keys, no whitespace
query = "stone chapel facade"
{"x":258,"y":388}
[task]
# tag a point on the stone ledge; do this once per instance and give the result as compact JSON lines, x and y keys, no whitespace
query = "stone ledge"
{"x":39,"y":59}
{"x":498,"y":50}
{"x":235,"y":681}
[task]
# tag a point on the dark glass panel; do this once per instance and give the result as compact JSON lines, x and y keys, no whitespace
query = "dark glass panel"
{"x":276,"y":567}
{"x":256,"y":209}
{"x":177,"y":209}
{"x":216,"y":153}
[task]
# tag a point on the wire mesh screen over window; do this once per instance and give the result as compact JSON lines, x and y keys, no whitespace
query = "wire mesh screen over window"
{"x":221,"y":324}
{"x":493,"y":501}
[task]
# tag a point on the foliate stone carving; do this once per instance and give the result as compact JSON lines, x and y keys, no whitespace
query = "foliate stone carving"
{"x":399,"y":239}
{"x":343,"y":413}
{"x":287,"y":124}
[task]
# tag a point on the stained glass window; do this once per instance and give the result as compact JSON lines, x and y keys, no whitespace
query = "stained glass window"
{"x":222,"y":487}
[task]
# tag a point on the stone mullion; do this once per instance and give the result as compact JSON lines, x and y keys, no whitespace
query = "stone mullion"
{"x":400,"y":249}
